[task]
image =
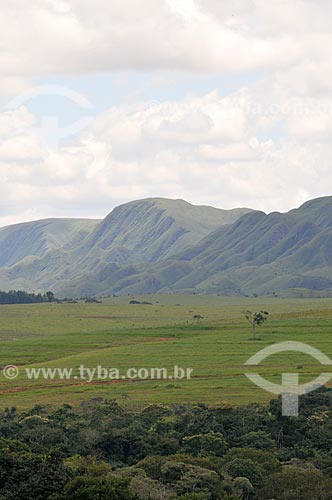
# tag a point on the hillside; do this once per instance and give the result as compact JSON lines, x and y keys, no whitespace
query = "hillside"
{"x":159,"y":245}
{"x":138,"y":232}
{"x":152,"y":230}
{"x":37,"y":238}
{"x":259,"y":253}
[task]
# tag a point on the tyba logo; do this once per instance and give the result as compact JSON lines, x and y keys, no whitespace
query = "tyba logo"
{"x":290,"y":388}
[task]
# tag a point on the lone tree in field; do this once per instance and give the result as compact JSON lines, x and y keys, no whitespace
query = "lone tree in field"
{"x":198,"y":317}
{"x":255,"y":319}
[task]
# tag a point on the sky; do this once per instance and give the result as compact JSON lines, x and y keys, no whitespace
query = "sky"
{"x":219,"y":103}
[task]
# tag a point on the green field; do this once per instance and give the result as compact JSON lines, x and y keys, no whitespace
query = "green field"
{"x":118,"y":335}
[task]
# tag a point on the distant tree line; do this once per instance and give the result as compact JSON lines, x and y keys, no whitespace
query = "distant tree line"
{"x":21,"y":297}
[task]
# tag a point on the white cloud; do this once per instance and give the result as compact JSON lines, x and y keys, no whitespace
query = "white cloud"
{"x":42,"y":37}
{"x":15,"y":121}
{"x":205,"y":149}
{"x":265,"y":145}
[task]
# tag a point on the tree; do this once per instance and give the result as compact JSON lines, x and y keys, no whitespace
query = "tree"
{"x":31,"y":476}
{"x":255,"y":319}
{"x":295,"y":483}
{"x":201,"y":445}
{"x":50,"y":296}
{"x":21,"y":297}
{"x":101,"y":488}
{"x":257,"y":439}
{"x":266,"y":459}
{"x":243,"y":487}
{"x":198,"y":317}
{"x":245,"y":467}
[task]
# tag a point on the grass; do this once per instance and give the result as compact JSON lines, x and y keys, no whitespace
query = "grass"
{"x":116,"y":334}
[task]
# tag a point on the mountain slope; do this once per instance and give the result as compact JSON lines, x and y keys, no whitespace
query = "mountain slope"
{"x":152,"y":230}
{"x":142,"y":231}
{"x":259,"y":253}
{"x":35,"y":239}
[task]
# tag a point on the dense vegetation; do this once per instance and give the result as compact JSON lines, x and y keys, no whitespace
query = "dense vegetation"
{"x":21,"y":297}
{"x":102,"y":450}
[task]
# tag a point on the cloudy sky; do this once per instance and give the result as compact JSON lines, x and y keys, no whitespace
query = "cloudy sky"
{"x":217,"y":102}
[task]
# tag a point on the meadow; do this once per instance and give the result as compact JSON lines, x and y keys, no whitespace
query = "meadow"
{"x":121,"y":335}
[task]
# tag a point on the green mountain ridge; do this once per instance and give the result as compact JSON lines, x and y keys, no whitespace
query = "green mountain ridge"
{"x":153,"y":229}
{"x":37,"y":238}
{"x":160,"y":245}
{"x":141,"y":231}
{"x":258,"y":254}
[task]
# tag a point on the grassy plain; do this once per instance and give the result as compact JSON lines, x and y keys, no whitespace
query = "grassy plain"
{"x":118,"y":335}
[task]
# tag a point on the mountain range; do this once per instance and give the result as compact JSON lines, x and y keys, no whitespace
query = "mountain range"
{"x":162,"y":245}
